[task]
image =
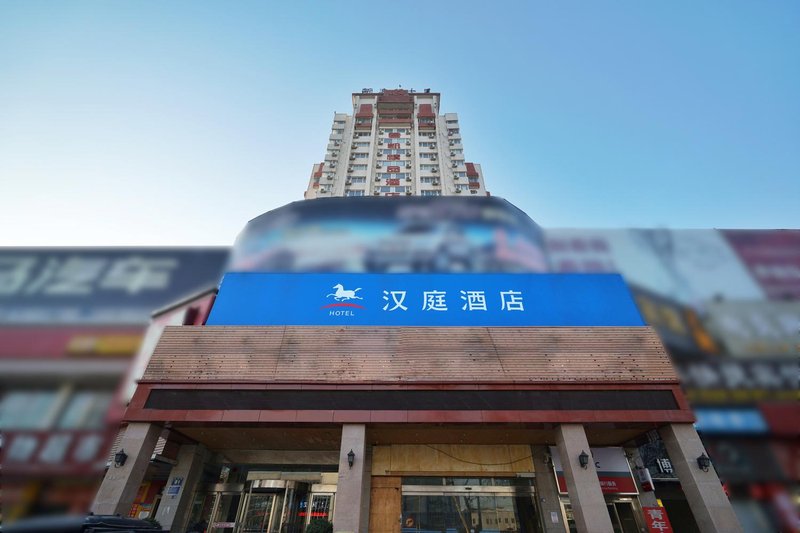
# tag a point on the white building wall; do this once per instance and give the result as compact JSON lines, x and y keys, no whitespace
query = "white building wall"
{"x":355,"y":161}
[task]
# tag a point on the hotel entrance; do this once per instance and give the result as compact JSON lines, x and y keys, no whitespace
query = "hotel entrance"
{"x":260,"y":506}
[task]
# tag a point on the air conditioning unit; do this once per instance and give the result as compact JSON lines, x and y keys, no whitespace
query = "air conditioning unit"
{"x":433,"y":145}
{"x":408,"y":179}
{"x":352,"y":156}
{"x":433,"y":158}
{"x":408,"y":165}
{"x":377,"y":178}
{"x":332,"y":163}
{"x":449,"y":133}
{"x":377,"y":165}
{"x":435,"y":182}
{"x":380,"y":132}
{"x":456,"y":178}
{"x":408,"y":143}
{"x":408,"y":193}
{"x":452,"y":154}
{"x":473,"y":191}
{"x":353,"y":146}
{"x":434,"y":169}
{"x":376,"y":193}
{"x":455,"y":164}
{"x":451,"y":143}
{"x":337,"y":143}
{"x":348,"y":182}
{"x":349,"y":169}
{"x":380,"y":141}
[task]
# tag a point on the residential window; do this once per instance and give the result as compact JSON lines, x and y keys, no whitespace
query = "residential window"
{"x":427,"y":155}
{"x":460,"y":174}
{"x":337,"y":131}
{"x":427,"y":167}
{"x":338,"y":122}
{"x":357,"y":179}
{"x":30,"y":409}
{"x":85,"y":410}
{"x":428,"y":179}
{"x":360,"y":144}
{"x":359,"y":167}
{"x":431,"y":193}
{"x":361,"y":155}
{"x":354,"y":193}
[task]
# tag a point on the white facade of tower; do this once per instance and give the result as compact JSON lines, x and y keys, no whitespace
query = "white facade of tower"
{"x":395,"y":144}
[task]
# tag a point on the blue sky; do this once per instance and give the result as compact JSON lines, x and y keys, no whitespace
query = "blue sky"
{"x":125,"y":123}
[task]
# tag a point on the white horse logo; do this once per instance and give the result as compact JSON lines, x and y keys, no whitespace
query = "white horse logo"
{"x":343,"y":294}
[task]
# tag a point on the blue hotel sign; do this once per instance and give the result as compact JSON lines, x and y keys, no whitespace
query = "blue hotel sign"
{"x":424,"y":300}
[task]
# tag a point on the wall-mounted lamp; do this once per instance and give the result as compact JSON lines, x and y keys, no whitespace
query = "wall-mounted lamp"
{"x":351,"y":457}
{"x":583,"y":459}
{"x":119,"y":458}
{"x":703,"y":462}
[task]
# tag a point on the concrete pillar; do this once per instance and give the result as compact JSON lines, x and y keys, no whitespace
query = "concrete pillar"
{"x":585,"y":496}
{"x":173,"y":512}
{"x":119,"y":487}
{"x":547,"y":491}
{"x":351,"y":510}
{"x":646,"y":498}
{"x":710,"y":506}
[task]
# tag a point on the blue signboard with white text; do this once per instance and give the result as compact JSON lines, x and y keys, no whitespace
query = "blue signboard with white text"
{"x":251,"y":298}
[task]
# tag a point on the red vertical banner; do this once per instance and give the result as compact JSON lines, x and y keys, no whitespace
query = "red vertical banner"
{"x":656,"y":520}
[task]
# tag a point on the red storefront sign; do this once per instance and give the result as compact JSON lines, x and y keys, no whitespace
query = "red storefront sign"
{"x":393,"y":170}
{"x":393,"y":182}
{"x":393,"y":157}
{"x":656,"y":520}
{"x":393,"y":146}
{"x":394,"y":135}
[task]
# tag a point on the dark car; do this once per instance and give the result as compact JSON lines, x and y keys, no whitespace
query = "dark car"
{"x":80,"y":524}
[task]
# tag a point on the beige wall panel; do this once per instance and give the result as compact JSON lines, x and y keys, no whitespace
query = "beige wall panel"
{"x":384,"y":511}
{"x":451,"y":458}
{"x":381,"y":460}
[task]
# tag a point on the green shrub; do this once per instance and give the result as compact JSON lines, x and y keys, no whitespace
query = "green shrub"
{"x":153,"y":522}
{"x":319,"y":525}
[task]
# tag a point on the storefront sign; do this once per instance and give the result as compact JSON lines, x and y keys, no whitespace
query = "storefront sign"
{"x":424,"y":300}
{"x":773,"y":258}
{"x":612,"y":466}
{"x":100,"y":286}
{"x":757,"y":328}
{"x":730,"y":421}
{"x":739,"y":381}
{"x":657,"y":520}
{"x":688,"y":266}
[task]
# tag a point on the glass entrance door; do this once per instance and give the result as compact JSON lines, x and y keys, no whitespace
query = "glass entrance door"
{"x":223,"y":519}
{"x":257,"y":512}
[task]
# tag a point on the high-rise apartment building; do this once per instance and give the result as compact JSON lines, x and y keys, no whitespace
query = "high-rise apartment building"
{"x":395,"y":143}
